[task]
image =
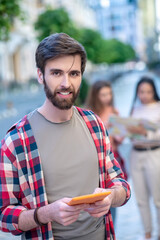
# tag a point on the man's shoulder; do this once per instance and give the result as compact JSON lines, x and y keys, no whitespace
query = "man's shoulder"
{"x":13,"y":132}
{"x":20,"y":124}
{"x":86,"y":112}
{"x":90,"y":116}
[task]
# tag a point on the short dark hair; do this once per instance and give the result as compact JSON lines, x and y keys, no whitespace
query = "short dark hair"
{"x":57,"y":45}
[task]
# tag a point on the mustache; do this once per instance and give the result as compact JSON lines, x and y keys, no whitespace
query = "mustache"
{"x":64,"y":90}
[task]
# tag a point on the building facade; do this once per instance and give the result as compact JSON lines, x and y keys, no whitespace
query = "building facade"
{"x":157,"y":46}
{"x":122,"y":20}
{"x":116,"y":19}
{"x":150,"y":18}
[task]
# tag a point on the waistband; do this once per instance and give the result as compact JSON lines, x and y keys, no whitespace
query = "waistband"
{"x":146,"y":148}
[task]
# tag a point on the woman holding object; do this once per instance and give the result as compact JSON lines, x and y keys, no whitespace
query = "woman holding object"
{"x":145,"y":155}
{"x":100,"y":101}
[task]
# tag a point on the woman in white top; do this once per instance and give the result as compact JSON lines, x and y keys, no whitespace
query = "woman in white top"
{"x":145,"y":155}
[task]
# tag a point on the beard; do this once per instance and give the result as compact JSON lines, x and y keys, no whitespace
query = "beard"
{"x":63,"y":104}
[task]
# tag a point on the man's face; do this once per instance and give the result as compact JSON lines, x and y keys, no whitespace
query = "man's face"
{"x":62,"y":79}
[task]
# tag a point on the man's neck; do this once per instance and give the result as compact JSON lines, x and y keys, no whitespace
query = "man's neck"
{"x":53,"y":114}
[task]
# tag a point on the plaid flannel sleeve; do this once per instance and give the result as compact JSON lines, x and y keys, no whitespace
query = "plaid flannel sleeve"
{"x":115,"y":176}
{"x":10,"y":204}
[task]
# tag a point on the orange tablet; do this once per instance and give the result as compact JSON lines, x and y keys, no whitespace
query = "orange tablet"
{"x":90,"y":198}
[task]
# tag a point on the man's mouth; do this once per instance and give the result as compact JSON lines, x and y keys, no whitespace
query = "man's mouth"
{"x":64,"y":94}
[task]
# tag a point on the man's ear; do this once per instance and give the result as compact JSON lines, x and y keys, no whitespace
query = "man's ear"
{"x":40,"y":76}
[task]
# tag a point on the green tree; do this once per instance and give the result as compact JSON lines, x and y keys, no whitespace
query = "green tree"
{"x":115,"y":51}
{"x":9,"y":10}
{"x":57,"y":20}
{"x":52,"y":21}
{"x":84,"y":91}
{"x":98,"y":50}
{"x":91,"y":40}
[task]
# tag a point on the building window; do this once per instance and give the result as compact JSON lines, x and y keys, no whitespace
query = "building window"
{"x":116,"y":28}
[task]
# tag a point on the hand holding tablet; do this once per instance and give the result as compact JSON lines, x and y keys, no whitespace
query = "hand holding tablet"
{"x":90,"y":198}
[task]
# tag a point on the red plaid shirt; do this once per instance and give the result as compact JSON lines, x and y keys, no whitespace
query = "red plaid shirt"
{"x":22,"y":181}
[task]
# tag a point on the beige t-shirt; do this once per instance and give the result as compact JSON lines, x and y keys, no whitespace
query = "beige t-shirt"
{"x":70,"y":165}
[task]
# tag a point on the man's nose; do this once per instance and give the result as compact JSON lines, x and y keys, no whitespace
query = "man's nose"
{"x":65,"y":81}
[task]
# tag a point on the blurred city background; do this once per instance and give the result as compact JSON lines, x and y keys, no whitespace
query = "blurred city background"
{"x":122,"y":40}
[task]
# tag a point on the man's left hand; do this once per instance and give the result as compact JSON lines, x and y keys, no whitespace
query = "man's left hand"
{"x":100,"y":208}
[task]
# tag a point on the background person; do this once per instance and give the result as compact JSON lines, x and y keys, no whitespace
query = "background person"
{"x":145,"y":155}
{"x":100,"y":101}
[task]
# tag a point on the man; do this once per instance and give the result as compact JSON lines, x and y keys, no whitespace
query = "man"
{"x":58,"y":152}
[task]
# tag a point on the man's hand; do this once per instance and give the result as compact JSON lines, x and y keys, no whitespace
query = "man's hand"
{"x":64,"y":214}
{"x":58,"y":211}
{"x":100,"y":208}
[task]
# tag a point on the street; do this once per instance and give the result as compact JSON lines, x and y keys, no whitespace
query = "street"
{"x":128,"y":223}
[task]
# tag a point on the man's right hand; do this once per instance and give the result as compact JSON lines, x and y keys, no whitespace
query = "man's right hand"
{"x":60,"y":212}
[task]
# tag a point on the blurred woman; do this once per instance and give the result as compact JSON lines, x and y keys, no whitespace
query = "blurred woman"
{"x":100,"y":101}
{"x":145,"y":156}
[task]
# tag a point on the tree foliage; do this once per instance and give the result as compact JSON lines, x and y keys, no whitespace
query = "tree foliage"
{"x":52,"y":21}
{"x":84,"y":91}
{"x":114,"y":51}
{"x":9,"y":10}
{"x":98,"y":50}
{"x":91,"y":40}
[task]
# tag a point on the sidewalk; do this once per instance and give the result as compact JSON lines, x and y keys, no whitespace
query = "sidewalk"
{"x":128,"y":222}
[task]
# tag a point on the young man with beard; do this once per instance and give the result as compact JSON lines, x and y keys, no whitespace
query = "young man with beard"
{"x":58,"y":152}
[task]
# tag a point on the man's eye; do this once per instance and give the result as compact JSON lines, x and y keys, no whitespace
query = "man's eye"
{"x":56,"y":73}
{"x":75,"y":74}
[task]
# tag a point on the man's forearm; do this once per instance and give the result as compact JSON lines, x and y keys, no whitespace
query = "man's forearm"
{"x":119,"y":196}
{"x":58,"y":211}
{"x":26,"y":219}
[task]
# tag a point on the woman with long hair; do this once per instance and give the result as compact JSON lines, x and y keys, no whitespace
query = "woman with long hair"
{"x":100,"y":101}
{"x":100,"y":98}
{"x":145,"y":154}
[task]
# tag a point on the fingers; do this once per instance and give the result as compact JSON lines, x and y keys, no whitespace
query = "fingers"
{"x":100,"y":208}
{"x":99,"y":190}
{"x":65,"y":214}
{"x":98,"y":212}
{"x":75,"y":208}
{"x":69,"y":220}
{"x":105,"y":202}
{"x":98,"y":215}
